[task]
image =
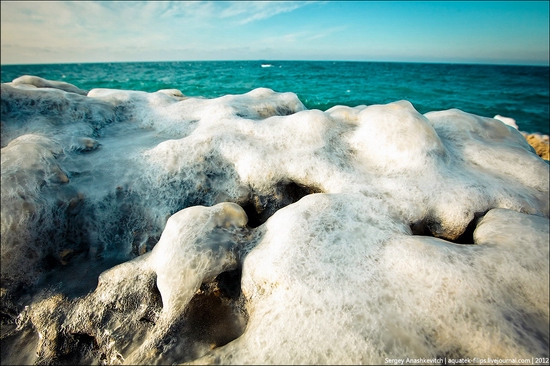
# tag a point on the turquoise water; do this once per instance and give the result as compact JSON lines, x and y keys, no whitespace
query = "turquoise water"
{"x":519,"y":92}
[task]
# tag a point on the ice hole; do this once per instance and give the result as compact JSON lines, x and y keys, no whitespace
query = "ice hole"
{"x":216,"y":315}
{"x":75,"y":349}
{"x":154,"y":303}
{"x":86,"y":340}
{"x":467,"y":237}
{"x":261,"y":207}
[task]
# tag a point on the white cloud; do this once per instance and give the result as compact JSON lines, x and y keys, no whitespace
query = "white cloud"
{"x":70,"y":28}
{"x":250,"y":11}
{"x":80,"y":31}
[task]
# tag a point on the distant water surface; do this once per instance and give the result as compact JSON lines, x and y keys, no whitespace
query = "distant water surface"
{"x":519,"y":92}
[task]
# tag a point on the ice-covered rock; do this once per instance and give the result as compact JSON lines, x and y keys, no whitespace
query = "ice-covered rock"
{"x":362,"y":233}
{"x":146,"y":310}
{"x":34,"y":195}
{"x":507,"y":120}
{"x":197,"y":245}
{"x":38,"y":82}
{"x":361,"y":289}
{"x":52,"y":112}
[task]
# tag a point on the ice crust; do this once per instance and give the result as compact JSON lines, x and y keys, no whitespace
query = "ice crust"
{"x":362,"y":233}
{"x":337,"y":297}
{"x":29,"y":81}
{"x":196,"y":246}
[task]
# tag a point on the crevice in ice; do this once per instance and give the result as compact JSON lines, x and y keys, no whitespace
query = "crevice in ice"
{"x":467,"y":237}
{"x":262,"y":112}
{"x":426,"y":228}
{"x":151,"y":313}
{"x":216,"y":315}
{"x":261,"y":207}
{"x":71,"y":349}
{"x":85,"y":340}
{"x":254,"y":218}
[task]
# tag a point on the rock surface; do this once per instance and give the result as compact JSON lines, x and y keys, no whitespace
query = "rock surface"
{"x":540,"y":143}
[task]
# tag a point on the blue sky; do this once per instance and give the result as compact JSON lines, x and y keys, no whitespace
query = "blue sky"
{"x":508,"y":32}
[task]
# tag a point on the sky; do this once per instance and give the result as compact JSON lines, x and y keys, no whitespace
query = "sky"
{"x":492,"y":32}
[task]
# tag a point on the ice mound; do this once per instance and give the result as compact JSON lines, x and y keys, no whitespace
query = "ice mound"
{"x":375,"y":138}
{"x":37,"y":82}
{"x":507,"y":120}
{"x":359,"y":290}
{"x":156,"y":228}
{"x":52,"y":112}
{"x":34,"y":195}
{"x":144,"y":310}
{"x":185,"y":257}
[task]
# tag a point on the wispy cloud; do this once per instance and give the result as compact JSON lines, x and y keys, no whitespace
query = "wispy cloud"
{"x":83,"y":25}
{"x":76,"y":31}
{"x":300,"y":37}
{"x":257,"y":10}
{"x":91,"y":19}
{"x":74,"y":27}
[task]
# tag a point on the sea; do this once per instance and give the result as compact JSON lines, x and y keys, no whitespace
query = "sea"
{"x":208,"y":206}
{"x":518,"y":92}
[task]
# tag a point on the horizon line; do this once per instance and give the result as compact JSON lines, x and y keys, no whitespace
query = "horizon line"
{"x":289,"y":60}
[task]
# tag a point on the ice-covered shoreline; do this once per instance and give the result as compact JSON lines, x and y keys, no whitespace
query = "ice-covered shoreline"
{"x":298,"y":236}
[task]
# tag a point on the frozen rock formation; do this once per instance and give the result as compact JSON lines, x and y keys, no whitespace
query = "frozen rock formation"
{"x":325,"y":294}
{"x":507,"y":120}
{"x":34,"y":196}
{"x":536,"y":140}
{"x":155,"y":228}
{"x":51,"y":112}
{"x":146,"y":310}
{"x":38,"y":82}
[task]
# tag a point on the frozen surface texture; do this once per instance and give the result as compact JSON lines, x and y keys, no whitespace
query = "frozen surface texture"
{"x":155,"y":228}
{"x":391,"y":294}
